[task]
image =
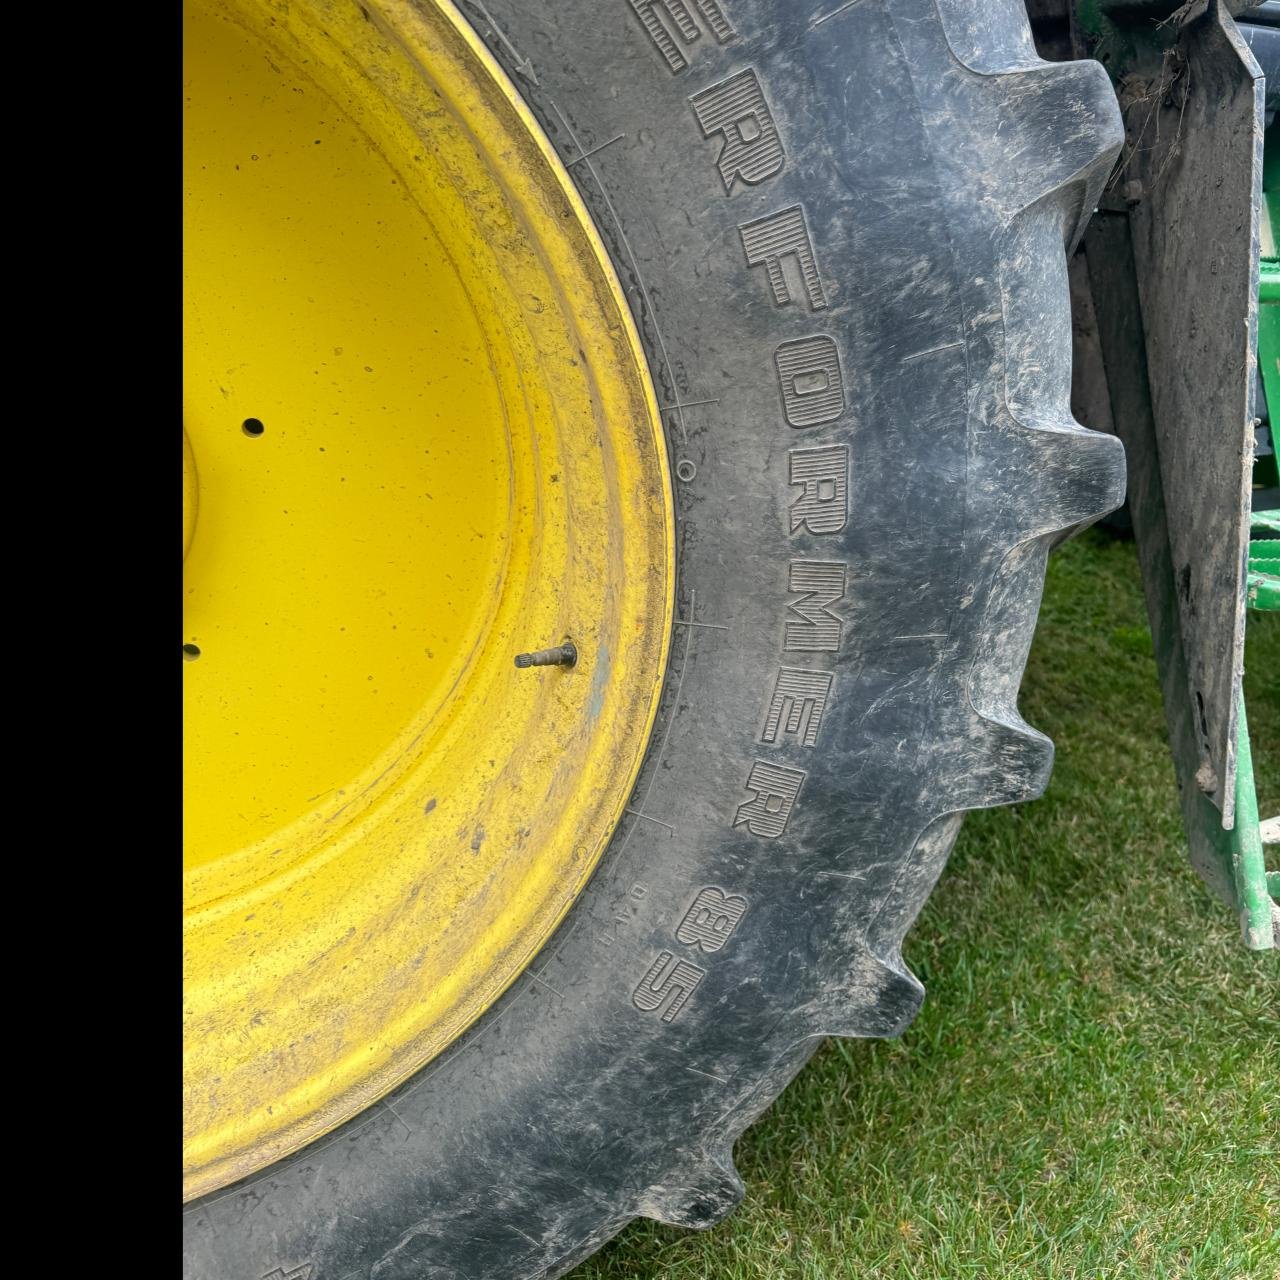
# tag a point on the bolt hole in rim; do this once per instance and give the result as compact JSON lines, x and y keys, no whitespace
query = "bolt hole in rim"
{"x":384,"y":818}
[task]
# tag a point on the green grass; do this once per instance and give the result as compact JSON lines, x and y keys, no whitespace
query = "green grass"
{"x":1092,"y":1089}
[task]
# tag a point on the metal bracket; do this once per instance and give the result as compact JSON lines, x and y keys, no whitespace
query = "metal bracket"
{"x":1173,"y":266}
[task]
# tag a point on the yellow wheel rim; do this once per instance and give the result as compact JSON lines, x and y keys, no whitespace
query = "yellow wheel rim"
{"x":419,"y":439}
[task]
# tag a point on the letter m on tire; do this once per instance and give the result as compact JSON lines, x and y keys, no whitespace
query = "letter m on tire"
{"x":664,"y":20}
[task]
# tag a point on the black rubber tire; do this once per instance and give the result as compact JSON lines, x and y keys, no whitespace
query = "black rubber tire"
{"x":871,"y":546}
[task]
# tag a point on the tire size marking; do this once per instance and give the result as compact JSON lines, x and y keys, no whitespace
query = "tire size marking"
{"x":810,"y":380}
{"x":811,"y":627}
{"x":713,"y":916}
{"x":667,"y":986}
{"x":734,"y":110}
{"x":705,"y":927}
{"x":797,"y":705}
{"x":664,"y":20}
{"x":623,"y":913}
{"x":811,"y":387}
{"x":779,"y":238}
{"x":773,"y":788}
{"x":822,"y":475}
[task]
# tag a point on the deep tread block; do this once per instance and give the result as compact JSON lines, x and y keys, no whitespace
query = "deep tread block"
{"x":1066,"y":139}
{"x":701,"y":1194}
{"x":1008,"y":762}
{"x":868,"y":997}
{"x":1048,"y":477}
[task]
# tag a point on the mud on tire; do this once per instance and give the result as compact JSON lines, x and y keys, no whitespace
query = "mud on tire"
{"x":842,"y":232}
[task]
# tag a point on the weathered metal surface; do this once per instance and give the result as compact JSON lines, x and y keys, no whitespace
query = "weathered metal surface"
{"x":1109,"y":255}
{"x":1265,"y":473}
{"x":1164,"y":299}
{"x":1191,"y":174}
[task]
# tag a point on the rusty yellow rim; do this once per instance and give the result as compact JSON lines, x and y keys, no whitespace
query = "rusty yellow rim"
{"x":419,"y":438}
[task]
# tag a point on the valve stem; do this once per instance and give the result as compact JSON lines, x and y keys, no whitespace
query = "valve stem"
{"x":563,"y":655}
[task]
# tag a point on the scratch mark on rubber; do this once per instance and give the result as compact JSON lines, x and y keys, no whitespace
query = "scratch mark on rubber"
{"x":835,"y":13}
{"x":687,"y":404}
{"x":635,"y":813}
{"x":709,"y":626}
{"x":616,"y":138}
{"x":398,"y":1116}
{"x":709,"y":1076}
{"x":920,"y":355}
{"x":543,"y":983}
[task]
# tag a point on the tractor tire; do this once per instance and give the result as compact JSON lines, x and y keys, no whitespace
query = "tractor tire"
{"x":843,"y":232}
